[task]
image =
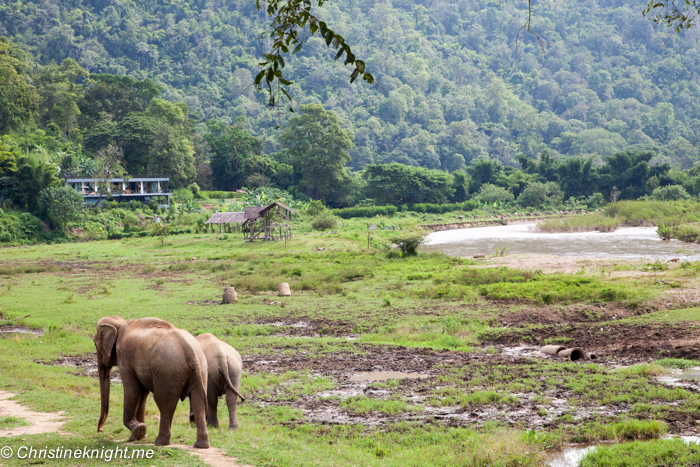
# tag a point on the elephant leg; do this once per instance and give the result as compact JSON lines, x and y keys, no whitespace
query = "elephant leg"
{"x":198,"y":399}
{"x":212,"y":408}
{"x":141,"y":411}
{"x":133,"y":392}
{"x":191,"y":411}
{"x":166,"y":405}
{"x":232,"y":403}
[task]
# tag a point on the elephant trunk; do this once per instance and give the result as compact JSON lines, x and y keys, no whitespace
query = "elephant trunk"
{"x":104,"y":375}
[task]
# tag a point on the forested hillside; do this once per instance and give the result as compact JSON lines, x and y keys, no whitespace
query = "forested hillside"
{"x":459,"y":86}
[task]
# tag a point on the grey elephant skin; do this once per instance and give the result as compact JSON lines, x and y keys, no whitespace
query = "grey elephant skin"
{"x":224,"y":377}
{"x":153,"y":356}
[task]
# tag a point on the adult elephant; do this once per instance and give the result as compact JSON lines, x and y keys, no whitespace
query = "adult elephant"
{"x":153,"y":356}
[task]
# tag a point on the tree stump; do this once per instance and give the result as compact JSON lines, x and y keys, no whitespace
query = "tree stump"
{"x":284,"y":290}
{"x":230,"y":295}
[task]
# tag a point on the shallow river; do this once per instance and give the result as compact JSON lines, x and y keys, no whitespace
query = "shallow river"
{"x":629,"y":242}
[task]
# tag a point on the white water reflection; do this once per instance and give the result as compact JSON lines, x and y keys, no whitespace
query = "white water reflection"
{"x":627,"y":242}
{"x":571,"y":455}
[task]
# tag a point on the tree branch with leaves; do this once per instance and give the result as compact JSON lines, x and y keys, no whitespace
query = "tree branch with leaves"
{"x":288,"y":32}
{"x":676,"y":14}
{"x":109,"y":162}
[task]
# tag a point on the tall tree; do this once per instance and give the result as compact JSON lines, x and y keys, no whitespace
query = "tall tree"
{"x":400,"y":184}
{"x":109,"y":164}
{"x":318,"y":146}
{"x":18,"y":96}
{"x":232,"y":149}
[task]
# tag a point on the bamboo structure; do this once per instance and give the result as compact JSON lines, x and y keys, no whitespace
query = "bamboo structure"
{"x":272,"y":222}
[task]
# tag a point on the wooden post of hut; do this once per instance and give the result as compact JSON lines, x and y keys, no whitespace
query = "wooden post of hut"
{"x":277,"y":216}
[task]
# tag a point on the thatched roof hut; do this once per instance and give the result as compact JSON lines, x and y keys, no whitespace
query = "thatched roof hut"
{"x":226,"y":218}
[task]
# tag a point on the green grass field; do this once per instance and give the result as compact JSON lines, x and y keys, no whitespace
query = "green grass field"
{"x":452,"y":321}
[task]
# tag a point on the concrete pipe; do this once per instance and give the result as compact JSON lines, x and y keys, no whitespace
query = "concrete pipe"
{"x":573,"y":354}
{"x":593,"y":356}
{"x":230,"y":295}
{"x":284,"y":290}
{"x":552,"y":349}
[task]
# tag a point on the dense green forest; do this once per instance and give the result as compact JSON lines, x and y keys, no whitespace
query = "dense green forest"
{"x":459,"y":86}
{"x":604,"y":108}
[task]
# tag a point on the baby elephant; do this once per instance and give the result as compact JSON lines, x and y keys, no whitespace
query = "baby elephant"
{"x":224,"y":377}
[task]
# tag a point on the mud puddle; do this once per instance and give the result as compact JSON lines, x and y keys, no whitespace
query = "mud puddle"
{"x":379,"y":375}
{"x":687,"y":378}
{"x":84,"y":365}
{"x":572,"y":454}
{"x":9,"y":330}
{"x":305,"y":326}
{"x":371,"y":376}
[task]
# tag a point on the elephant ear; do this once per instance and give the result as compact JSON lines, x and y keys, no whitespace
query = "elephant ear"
{"x":108,"y":336}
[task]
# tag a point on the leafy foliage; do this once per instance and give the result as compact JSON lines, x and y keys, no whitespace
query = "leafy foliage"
{"x":162,"y":231}
{"x":61,"y":205}
{"x":604,"y":81}
{"x":409,"y":244}
{"x":318,"y":148}
{"x":399,"y":184}
{"x":324,"y":221}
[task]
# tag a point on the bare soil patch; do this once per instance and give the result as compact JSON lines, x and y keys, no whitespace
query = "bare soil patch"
{"x":84,"y":365}
{"x":640,"y":341}
{"x":343,"y":365}
{"x":39,"y":422}
{"x":212,"y":456}
{"x":327,"y":407}
{"x":563,"y":264}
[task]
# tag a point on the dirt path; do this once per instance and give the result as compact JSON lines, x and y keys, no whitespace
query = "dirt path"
{"x":39,"y":422}
{"x":212,"y":456}
{"x":47,"y":422}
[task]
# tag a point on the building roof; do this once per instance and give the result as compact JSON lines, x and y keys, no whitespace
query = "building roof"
{"x":117,"y":180}
{"x":253,"y":212}
{"x":226,"y":218}
{"x":277,"y":203}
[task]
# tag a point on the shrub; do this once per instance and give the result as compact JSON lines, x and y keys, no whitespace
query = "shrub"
{"x":669,"y":193}
{"x":409,"y":244}
{"x":257,"y":180}
{"x":162,"y":231}
{"x":443,"y":208}
{"x":537,"y":194}
{"x":365,"y":211}
{"x":491,"y":193}
{"x":324,"y":221}
{"x":20,"y":227}
{"x":684,"y":232}
{"x":182,"y":195}
{"x":194,"y":188}
{"x":216,"y":194}
{"x":315,"y":208}
{"x":61,"y":205}
{"x":680,"y":363}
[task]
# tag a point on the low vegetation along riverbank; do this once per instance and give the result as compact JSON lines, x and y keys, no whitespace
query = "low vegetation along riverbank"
{"x":377,"y":358}
{"x":675,"y":219}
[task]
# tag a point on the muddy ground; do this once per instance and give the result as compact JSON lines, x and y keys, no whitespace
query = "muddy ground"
{"x":428,"y":371}
{"x":630,"y":341}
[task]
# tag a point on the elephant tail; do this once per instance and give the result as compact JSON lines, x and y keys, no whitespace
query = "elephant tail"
{"x":223,"y":368}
